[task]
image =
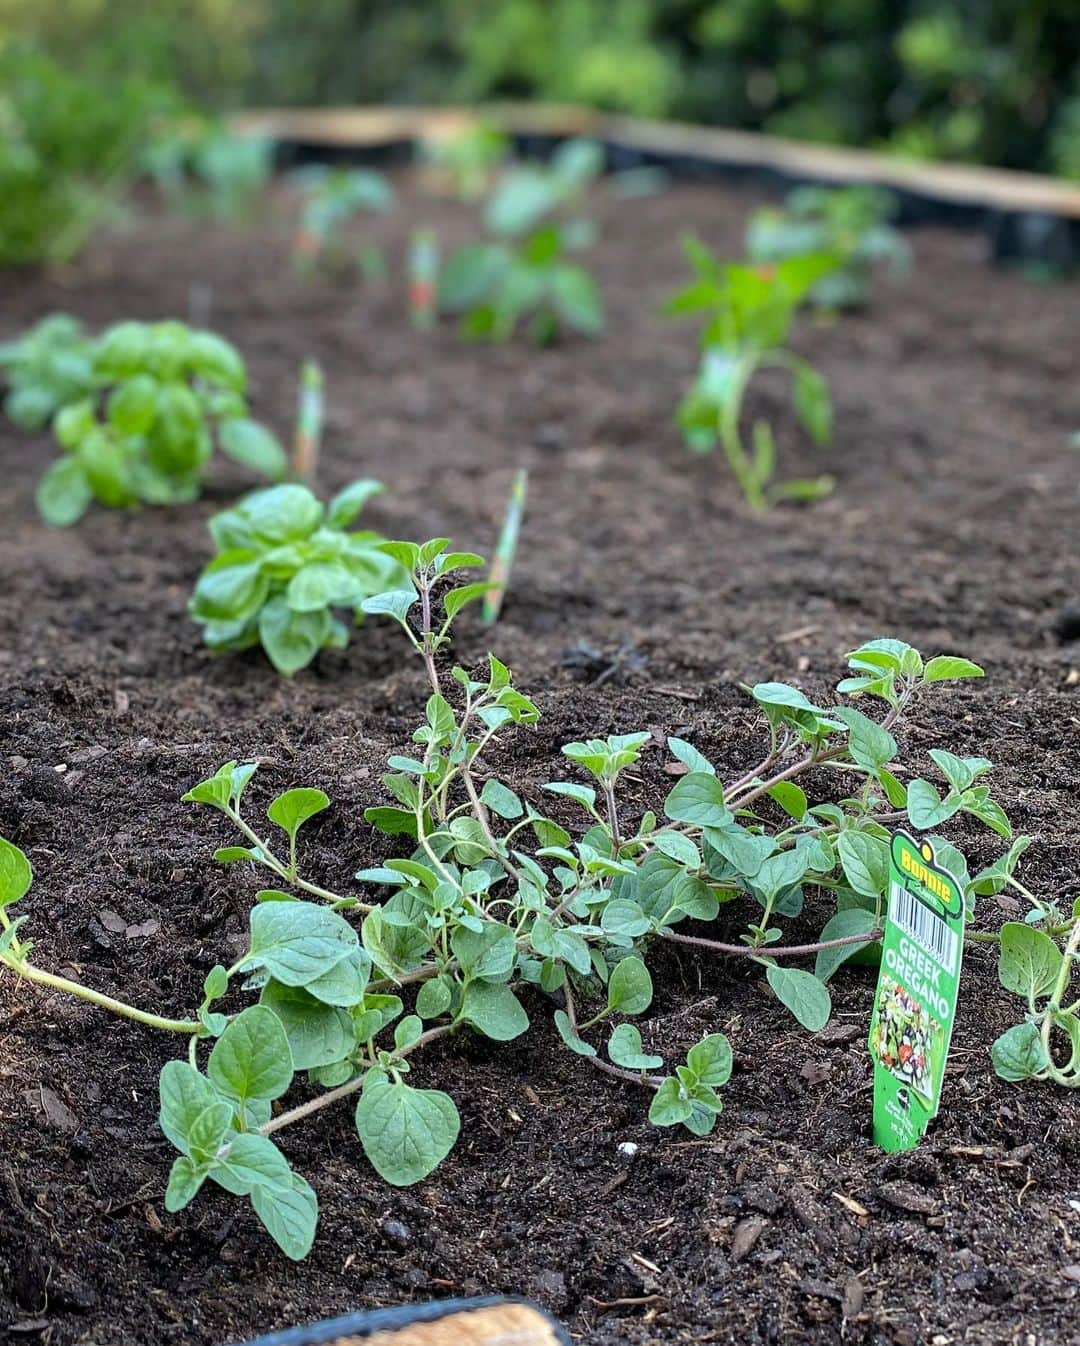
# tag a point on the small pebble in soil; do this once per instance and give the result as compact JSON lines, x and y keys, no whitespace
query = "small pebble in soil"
{"x":628,"y":1150}
{"x":397,"y":1232}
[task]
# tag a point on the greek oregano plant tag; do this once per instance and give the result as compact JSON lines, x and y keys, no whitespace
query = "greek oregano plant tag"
{"x":915,"y":1002}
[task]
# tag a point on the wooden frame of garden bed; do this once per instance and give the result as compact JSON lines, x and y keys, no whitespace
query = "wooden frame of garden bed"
{"x":1026,"y":217}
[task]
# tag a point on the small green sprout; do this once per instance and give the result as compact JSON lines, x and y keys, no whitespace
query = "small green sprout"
{"x":284,"y":563}
{"x":329,"y":199}
{"x":849,"y":223}
{"x":160,"y":396}
{"x":463,"y":161}
{"x":203,"y":168}
{"x":748,"y":312}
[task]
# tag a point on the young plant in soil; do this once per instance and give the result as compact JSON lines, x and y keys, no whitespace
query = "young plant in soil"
{"x":330,"y":199}
{"x":1039,"y":956}
{"x":284,"y":562}
{"x":48,"y":367}
{"x":748,"y":313}
{"x":160,"y":396}
{"x":486,"y":900}
{"x":205,"y":169}
{"x":852,"y":224}
{"x":527,"y":273}
{"x":464,"y":162}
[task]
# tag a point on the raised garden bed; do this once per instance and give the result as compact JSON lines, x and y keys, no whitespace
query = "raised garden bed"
{"x":643,"y":595}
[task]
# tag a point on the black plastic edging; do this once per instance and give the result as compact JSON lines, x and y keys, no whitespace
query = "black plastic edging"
{"x":1014,"y":234}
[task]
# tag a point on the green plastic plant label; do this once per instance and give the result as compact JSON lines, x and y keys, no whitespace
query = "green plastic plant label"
{"x":915,"y":1002}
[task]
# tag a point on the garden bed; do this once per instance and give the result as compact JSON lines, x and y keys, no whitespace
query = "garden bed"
{"x":643,"y":595}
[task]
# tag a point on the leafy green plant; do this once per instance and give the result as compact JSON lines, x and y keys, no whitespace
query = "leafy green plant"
{"x":464,"y":161}
{"x":157,"y":398}
{"x":284,"y":562}
{"x":498,"y":285}
{"x":487,"y":907}
{"x":530,"y":193}
{"x":68,"y":150}
{"x":851,"y":224}
{"x":526,"y":273}
{"x":45,"y":369}
{"x":329,"y":199}
{"x":1038,"y":962}
{"x":203,"y":168}
{"x":748,"y":312}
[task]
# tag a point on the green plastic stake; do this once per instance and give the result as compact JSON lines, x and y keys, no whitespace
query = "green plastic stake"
{"x":503,"y":560}
{"x":309,"y":422}
{"x":423,"y":278}
{"x":915,"y":1002}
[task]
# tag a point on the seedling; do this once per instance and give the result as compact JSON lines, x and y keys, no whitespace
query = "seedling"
{"x":748,"y":313}
{"x":463,"y":162}
{"x":46,"y":368}
{"x":499,"y":285}
{"x":486,"y":905}
{"x":161,"y":396}
{"x":530,"y":193}
{"x":527,"y":273}
{"x":206,"y":169}
{"x":285,"y":562}
{"x":330,"y":199}
{"x":849,"y":223}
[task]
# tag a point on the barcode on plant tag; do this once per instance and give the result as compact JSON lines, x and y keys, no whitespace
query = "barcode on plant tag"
{"x":919,"y":923}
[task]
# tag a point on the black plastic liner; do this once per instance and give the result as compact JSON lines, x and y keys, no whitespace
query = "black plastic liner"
{"x":1014,"y":235}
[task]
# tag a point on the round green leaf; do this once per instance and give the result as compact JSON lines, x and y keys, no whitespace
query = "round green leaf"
{"x":405,"y":1132}
{"x":252,"y":1058}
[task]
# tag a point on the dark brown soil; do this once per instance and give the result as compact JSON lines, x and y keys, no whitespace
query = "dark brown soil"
{"x":953,"y":526}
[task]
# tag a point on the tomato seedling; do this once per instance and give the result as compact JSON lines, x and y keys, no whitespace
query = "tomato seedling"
{"x":526,"y":272}
{"x":464,"y":161}
{"x":748,"y":312}
{"x":204,"y":168}
{"x":851,"y":224}
{"x":329,"y":199}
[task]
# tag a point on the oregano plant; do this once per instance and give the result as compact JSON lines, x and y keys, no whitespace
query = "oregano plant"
{"x":1038,"y":962}
{"x":489,"y":909}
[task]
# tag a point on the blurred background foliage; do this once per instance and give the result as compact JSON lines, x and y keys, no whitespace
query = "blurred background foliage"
{"x":992,"y":81}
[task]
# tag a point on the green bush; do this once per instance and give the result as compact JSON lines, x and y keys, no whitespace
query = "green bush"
{"x":985,"y":80}
{"x":68,"y":149}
